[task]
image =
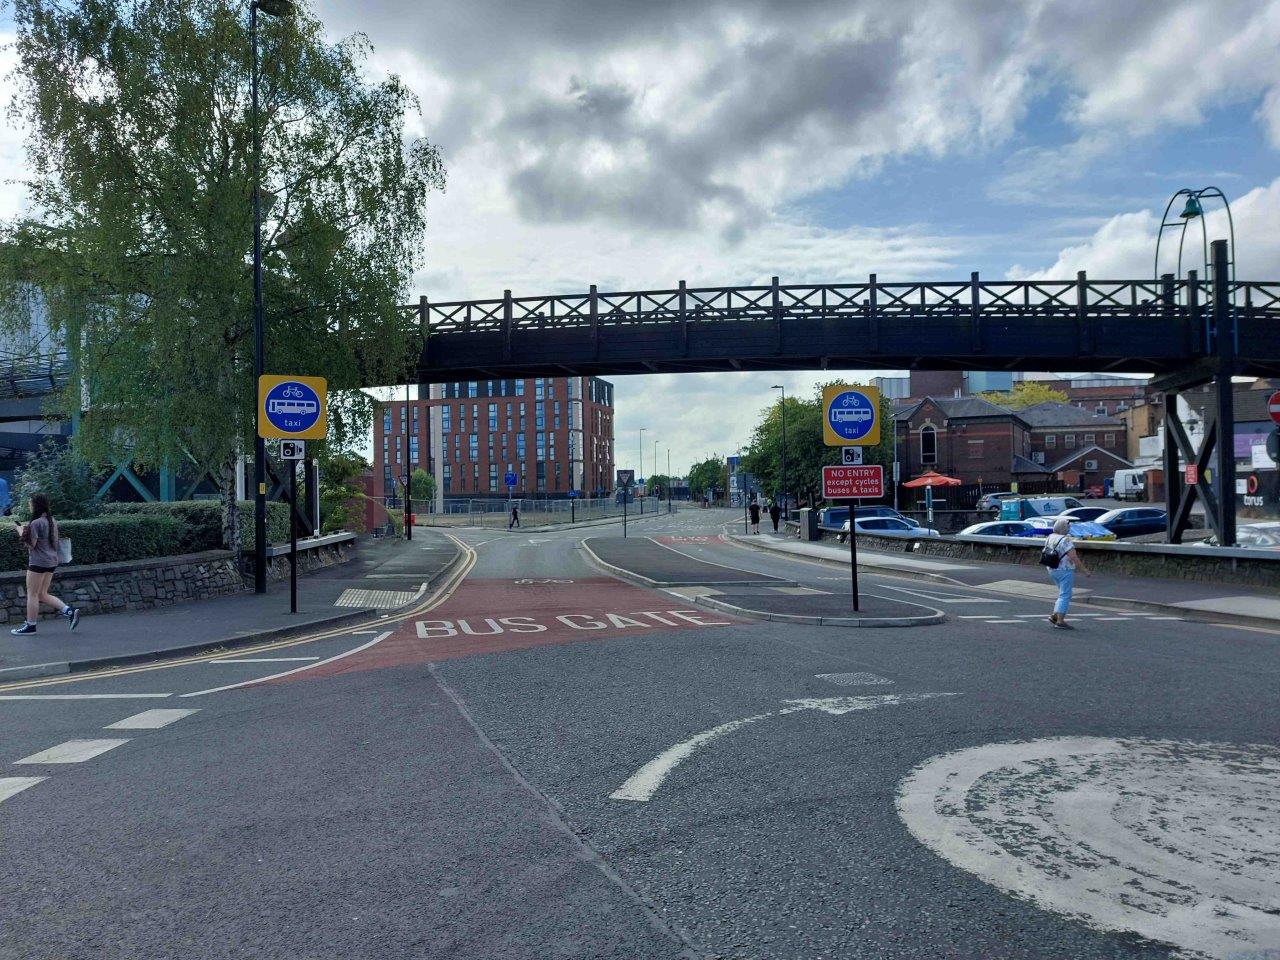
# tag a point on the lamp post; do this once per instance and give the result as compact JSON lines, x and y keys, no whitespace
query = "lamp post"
{"x":640,"y":466}
{"x":272,"y":8}
{"x":783,"y":410}
{"x":408,"y":467}
{"x":1193,"y":209}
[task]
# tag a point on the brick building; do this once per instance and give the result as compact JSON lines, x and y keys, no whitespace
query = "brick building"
{"x":1077,"y":446}
{"x":554,"y":433}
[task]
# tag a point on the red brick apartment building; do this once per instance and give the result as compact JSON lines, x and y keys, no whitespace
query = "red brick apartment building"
{"x":554,"y":433}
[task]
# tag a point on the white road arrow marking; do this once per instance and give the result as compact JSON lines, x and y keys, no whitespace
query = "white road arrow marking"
{"x":644,"y":783}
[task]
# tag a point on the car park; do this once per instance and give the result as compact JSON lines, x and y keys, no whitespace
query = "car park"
{"x":1084,"y":513}
{"x":997,"y":528}
{"x":887,"y":527}
{"x":1134,"y":521}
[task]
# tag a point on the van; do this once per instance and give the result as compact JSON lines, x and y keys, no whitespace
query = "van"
{"x":1022,"y":508}
{"x":1129,"y":485}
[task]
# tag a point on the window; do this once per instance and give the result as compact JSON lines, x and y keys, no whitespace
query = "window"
{"x":386,"y":419}
{"x":1100,"y":409}
{"x":493,"y":477}
{"x":415,"y":418}
{"x":542,"y":445}
{"x":975,"y":449}
{"x":475,"y":415}
{"x":493,"y":417}
{"x":1070,"y":440}
{"x":519,"y":446}
{"x":1091,"y":465}
{"x":1090,"y":438}
{"x":448,"y":478}
{"x":1109,"y":439}
{"x":1037,"y":456}
{"x":473,"y":388}
{"x":1050,"y":439}
{"x":540,"y":415}
{"x":928,"y":445}
{"x":446,"y":418}
{"x":520,"y":391}
{"x":473,"y":446}
{"x":538,"y":389}
{"x":413,"y":449}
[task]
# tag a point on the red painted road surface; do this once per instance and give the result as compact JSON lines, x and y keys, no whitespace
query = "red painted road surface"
{"x":495,"y":616}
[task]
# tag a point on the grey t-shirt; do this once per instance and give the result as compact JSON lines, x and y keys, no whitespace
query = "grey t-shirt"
{"x":40,"y":552}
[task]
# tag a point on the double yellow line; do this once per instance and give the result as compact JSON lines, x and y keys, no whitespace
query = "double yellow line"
{"x":437,"y":597}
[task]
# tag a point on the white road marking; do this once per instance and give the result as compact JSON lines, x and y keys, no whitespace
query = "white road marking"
{"x":150,"y":720}
{"x":288,"y":673}
{"x":644,"y":783}
{"x":1002,"y":621}
{"x":943,"y":597}
{"x":86,"y":696}
{"x":853,"y":679}
{"x":11,"y":785}
{"x":270,"y":659}
{"x":1190,"y":832}
{"x":378,"y":599}
{"x":1100,"y":619}
{"x":73,"y":751}
{"x":1167,"y":618}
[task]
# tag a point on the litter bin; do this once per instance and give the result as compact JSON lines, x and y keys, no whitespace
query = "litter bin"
{"x":808,"y":524}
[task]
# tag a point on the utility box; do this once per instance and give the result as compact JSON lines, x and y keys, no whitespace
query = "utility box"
{"x":808,"y":524}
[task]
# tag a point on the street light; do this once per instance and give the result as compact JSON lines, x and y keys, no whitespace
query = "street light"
{"x":272,"y":8}
{"x":783,"y":409}
{"x":1193,"y":209}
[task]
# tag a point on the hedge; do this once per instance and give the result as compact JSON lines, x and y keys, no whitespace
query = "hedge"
{"x":202,"y":521}
{"x":106,"y":539}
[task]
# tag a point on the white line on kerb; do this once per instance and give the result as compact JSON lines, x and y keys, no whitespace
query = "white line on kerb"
{"x":288,"y":673}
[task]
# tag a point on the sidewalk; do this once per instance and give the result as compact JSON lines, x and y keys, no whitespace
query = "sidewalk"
{"x":1186,"y":598}
{"x":385,"y":574}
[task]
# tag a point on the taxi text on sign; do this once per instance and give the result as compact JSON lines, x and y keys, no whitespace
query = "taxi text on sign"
{"x":850,"y":416}
{"x":851,"y":483}
{"x":292,"y":408}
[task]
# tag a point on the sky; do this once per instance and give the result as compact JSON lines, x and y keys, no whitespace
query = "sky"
{"x":634,"y":144}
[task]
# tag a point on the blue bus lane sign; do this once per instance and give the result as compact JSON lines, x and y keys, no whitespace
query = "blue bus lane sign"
{"x":292,"y":407}
{"x":850,"y":416}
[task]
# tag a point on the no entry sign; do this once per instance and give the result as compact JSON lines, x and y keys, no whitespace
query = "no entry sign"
{"x":1273,"y":406}
{"x":851,"y":483}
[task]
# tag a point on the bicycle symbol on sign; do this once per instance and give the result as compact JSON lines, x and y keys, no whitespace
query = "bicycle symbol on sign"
{"x":292,"y":390}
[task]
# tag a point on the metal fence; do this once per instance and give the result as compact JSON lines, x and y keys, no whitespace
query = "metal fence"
{"x":496,"y":514}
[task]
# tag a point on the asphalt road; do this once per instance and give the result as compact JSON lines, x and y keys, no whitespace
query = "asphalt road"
{"x":545,"y":761}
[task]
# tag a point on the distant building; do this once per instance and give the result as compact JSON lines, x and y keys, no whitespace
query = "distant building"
{"x":555,"y":434}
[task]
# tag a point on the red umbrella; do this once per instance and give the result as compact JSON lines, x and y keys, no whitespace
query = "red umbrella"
{"x":933,"y":479}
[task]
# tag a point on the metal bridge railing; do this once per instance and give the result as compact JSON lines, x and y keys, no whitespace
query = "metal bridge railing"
{"x":464,"y":512}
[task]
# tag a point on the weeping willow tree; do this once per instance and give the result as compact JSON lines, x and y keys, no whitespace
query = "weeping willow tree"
{"x":138,"y":240}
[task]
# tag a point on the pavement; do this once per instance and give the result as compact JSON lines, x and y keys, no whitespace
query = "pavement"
{"x":385,"y":574}
{"x":544,"y":760}
{"x":1216,"y":602}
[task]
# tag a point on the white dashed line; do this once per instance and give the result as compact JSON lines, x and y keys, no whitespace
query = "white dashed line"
{"x":11,"y":785}
{"x":150,"y":720}
{"x":73,"y":751}
{"x":1002,"y":621}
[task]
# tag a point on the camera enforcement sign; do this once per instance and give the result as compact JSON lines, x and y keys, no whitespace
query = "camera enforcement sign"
{"x":850,"y":416}
{"x":292,"y":408}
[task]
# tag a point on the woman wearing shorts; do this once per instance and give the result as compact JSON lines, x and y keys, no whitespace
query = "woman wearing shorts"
{"x":40,"y":537}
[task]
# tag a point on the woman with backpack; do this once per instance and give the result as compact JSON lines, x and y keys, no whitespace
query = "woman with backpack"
{"x":40,"y":537}
{"x":1060,"y":557}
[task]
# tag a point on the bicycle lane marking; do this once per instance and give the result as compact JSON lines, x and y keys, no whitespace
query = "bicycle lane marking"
{"x":499,"y":616}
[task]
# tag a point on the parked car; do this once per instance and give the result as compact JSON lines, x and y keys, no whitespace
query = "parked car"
{"x":1024,"y":508}
{"x":833,"y":516}
{"x":1134,"y":521}
{"x":1250,"y":536}
{"x":887,"y":527}
{"x":990,"y":502}
{"x":1079,"y":530}
{"x":997,"y":528}
{"x":1084,"y":513}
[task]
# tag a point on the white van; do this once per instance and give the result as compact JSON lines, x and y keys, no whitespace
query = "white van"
{"x":1129,"y":485}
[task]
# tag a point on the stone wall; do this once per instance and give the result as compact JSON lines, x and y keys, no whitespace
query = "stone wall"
{"x":136,"y":585}
{"x":164,"y":581}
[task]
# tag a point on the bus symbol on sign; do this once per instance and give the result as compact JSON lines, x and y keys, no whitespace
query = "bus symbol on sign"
{"x":292,"y":407}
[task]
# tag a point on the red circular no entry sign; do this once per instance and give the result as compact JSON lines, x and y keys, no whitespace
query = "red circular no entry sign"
{"x":1273,"y":406}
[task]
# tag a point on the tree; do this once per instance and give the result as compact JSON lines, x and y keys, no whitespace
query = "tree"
{"x":1025,"y":393}
{"x":342,"y":498}
{"x":710,"y":475}
{"x":62,"y":477}
{"x":422,"y":485}
{"x":659,"y":484}
{"x":138,"y":246}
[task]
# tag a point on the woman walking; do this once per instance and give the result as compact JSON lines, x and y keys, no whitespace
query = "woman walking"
{"x":755,"y":515}
{"x":40,"y":537}
{"x":1060,"y":545}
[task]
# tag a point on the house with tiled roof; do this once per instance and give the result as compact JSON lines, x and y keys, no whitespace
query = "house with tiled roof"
{"x":1078,"y":446}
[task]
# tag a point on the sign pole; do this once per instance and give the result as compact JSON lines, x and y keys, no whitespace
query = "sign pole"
{"x":624,"y":513}
{"x":853,"y":551}
{"x":293,"y":536}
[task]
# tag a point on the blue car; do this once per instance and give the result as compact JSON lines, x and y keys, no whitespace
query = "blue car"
{"x":1134,"y":521}
{"x":1079,"y":529}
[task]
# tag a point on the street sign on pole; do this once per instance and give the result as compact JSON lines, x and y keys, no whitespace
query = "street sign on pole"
{"x":851,"y":456}
{"x":626,"y":478}
{"x":1273,"y":406}
{"x":850,"y":416}
{"x":847,"y":483}
{"x":1192,"y":474}
{"x":510,"y":479}
{"x":293,"y":450}
{"x":292,"y":408}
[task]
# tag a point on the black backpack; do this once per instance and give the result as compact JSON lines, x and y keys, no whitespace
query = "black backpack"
{"x":1049,"y":556}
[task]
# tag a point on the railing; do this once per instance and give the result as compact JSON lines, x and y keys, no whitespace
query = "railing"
{"x":1081,"y":297}
{"x":496,"y":513}
{"x":33,"y":378}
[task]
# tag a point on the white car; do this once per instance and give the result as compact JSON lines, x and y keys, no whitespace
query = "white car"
{"x":887,"y":527}
{"x":1250,"y":536}
{"x":999,"y":528}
